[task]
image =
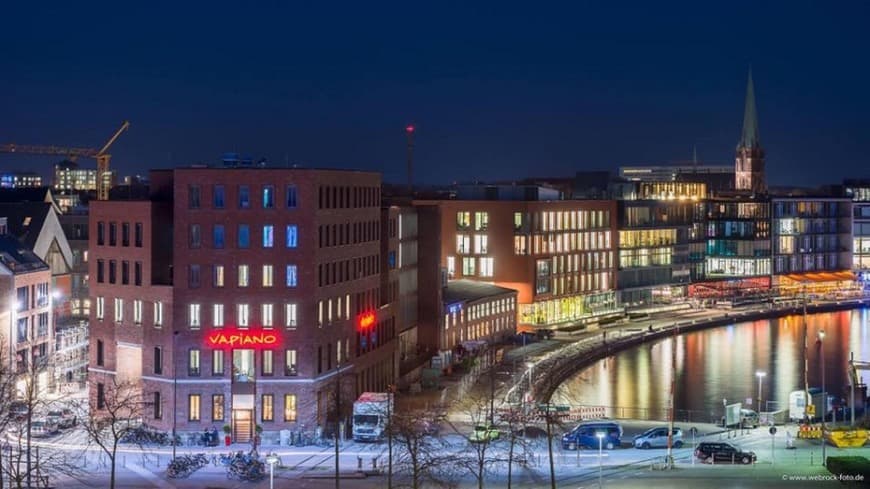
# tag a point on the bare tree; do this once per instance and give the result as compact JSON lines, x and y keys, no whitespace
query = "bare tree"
{"x":479,"y":453}
{"x":420,"y":454}
{"x":519,"y":449}
{"x":112,"y":416}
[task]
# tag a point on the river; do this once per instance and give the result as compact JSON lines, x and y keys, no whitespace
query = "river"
{"x":721,"y":363}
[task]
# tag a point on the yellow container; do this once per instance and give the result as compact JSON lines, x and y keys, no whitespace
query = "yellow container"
{"x":847,"y":438}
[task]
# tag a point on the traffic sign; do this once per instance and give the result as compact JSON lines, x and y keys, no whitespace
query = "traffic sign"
{"x":772,"y":430}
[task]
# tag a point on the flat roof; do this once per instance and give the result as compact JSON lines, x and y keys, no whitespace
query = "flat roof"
{"x":469,"y":290}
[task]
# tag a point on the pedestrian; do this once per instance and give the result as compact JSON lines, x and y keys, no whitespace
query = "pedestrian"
{"x":650,"y":328}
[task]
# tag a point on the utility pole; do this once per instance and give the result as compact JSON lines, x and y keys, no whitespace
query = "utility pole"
{"x":550,"y":447}
{"x":409,"y":130}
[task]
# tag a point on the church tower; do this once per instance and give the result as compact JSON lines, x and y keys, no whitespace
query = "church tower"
{"x":749,"y":167}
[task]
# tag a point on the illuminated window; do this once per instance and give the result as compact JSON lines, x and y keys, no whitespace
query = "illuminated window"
{"x":158,"y":314}
{"x":244,"y":276}
{"x":480,"y":244}
{"x":193,"y":316}
{"x":193,"y":411}
{"x":137,"y":311}
{"x":291,"y":275}
{"x":267,"y":315}
{"x":518,"y":221}
{"x":290,"y":315}
{"x":463,"y":220}
{"x":290,"y":407}
{"x":291,"y":236}
{"x":267,"y":275}
{"x":193,"y":362}
{"x":486,"y":265}
{"x":218,"y":276}
{"x":268,"y":407}
{"x":463,"y":243}
{"x":119,"y":309}
{"x":268,"y":365}
{"x":290,"y":363}
{"x":218,"y":315}
{"x":243,"y":315}
{"x":268,"y":236}
{"x":481,"y":221}
{"x":217,"y":407}
{"x":451,"y":266}
{"x":268,"y":197}
{"x":217,"y":362}
{"x":468,"y":266}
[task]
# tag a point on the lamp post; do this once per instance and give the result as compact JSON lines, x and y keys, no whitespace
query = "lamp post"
{"x":174,"y":393}
{"x":272,"y":459}
{"x":600,"y":436}
{"x":824,"y":391}
{"x":760,"y":376}
{"x":530,"y":367}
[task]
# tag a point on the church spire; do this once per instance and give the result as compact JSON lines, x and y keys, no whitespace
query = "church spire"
{"x":749,"y":138}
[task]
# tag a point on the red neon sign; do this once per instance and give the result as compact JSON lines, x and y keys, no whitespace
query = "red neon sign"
{"x":366,"y":319}
{"x":230,"y":338}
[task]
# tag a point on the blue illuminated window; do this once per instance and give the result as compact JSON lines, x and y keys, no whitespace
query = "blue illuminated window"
{"x":291,"y":236}
{"x":268,"y":236}
{"x":268,"y":197}
{"x":244,"y":236}
{"x":291,"y":275}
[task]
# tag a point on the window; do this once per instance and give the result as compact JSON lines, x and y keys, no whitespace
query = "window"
{"x":518,"y":221}
{"x":268,"y":197}
{"x":463,"y":243}
{"x":243,"y":315}
{"x":100,"y":275}
{"x":158,"y":406}
{"x":266,"y":320}
{"x":218,"y":197}
{"x":467,"y":266}
{"x":291,"y":196}
{"x":486,"y":267}
{"x":291,"y":275}
{"x":193,"y":316}
{"x":101,"y":308}
{"x":268,"y":407}
{"x":244,"y":276}
{"x":480,"y":244}
{"x":218,"y":276}
{"x":119,"y":309}
{"x":193,"y":413}
{"x":113,"y":274}
{"x":101,"y":396}
{"x":193,"y":197}
{"x":217,"y":407}
{"x":244,"y":236}
{"x":244,"y":197}
{"x":125,"y":234}
{"x":463,"y":220}
{"x":451,"y":266}
{"x":137,"y":273}
{"x":101,"y":233}
{"x":268,"y":365}
{"x":267,"y":275}
{"x":290,"y":407}
{"x":195,"y":237}
{"x":268,"y":236}
{"x":193,"y":277}
{"x":290,"y":363}
{"x":290,"y":315}
{"x":158,"y":314}
{"x":138,"y":236}
{"x":481,"y":221}
{"x":217,"y":236}
{"x":217,"y":362}
{"x":193,"y":362}
{"x":158,"y":360}
{"x":137,"y":311}
{"x":113,"y":234}
{"x":100,"y":353}
{"x":291,"y":236}
{"x":217,"y":315}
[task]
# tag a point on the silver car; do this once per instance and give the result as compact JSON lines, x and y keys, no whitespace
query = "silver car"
{"x":658,"y":438}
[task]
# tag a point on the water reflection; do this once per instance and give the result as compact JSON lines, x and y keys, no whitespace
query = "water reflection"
{"x":720,"y":363}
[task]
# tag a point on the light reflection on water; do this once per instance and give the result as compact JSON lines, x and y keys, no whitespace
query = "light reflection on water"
{"x":720,"y":363}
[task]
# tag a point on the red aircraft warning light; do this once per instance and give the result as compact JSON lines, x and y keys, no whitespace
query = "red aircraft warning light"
{"x":409,"y":128}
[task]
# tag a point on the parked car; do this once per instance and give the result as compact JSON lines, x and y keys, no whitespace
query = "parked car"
{"x":658,"y":438}
{"x":483,"y":434}
{"x":64,"y":418}
{"x":585,"y":435}
{"x":18,"y":410}
{"x":712,"y":452}
{"x":42,"y":428}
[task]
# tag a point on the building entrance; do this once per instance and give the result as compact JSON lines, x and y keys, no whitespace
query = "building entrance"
{"x":242,"y":425}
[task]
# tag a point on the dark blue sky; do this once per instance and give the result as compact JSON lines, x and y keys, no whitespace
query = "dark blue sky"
{"x":497,"y":90}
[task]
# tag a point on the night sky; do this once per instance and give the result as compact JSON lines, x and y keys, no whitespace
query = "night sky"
{"x":498,"y":91}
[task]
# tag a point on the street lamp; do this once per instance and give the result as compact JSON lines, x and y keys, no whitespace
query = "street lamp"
{"x":600,"y":436}
{"x":530,"y":367}
{"x":272,"y":459}
{"x":824,"y":391}
{"x":760,"y":376}
{"x":174,"y":392}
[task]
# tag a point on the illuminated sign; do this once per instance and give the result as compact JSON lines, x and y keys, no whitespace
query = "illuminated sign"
{"x":454,"y":308}
{"x":365,"y":320}
{"x":239,"y":338}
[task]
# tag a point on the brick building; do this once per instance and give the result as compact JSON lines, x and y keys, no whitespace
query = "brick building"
{"x":249,"y":291}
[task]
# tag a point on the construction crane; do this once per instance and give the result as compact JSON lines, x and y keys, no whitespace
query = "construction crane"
{"x":100,"y":155}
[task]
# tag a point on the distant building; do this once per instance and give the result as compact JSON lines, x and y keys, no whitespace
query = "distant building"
{"x":70,"y":178}
{"x":859,"y":192}
{"x":716,"y":178}
{"x":749,"y":172}
{"x":20,"y":179}
{"x":475,"y":314}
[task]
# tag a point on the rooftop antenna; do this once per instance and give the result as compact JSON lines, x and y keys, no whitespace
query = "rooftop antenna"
{"x":409,"y":130}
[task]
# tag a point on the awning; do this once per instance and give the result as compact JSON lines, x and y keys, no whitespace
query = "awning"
{"x":820,"y":277}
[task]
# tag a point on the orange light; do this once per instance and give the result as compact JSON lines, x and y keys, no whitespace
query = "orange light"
{"x":366,"y":319}
{"x":237,"y":338}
